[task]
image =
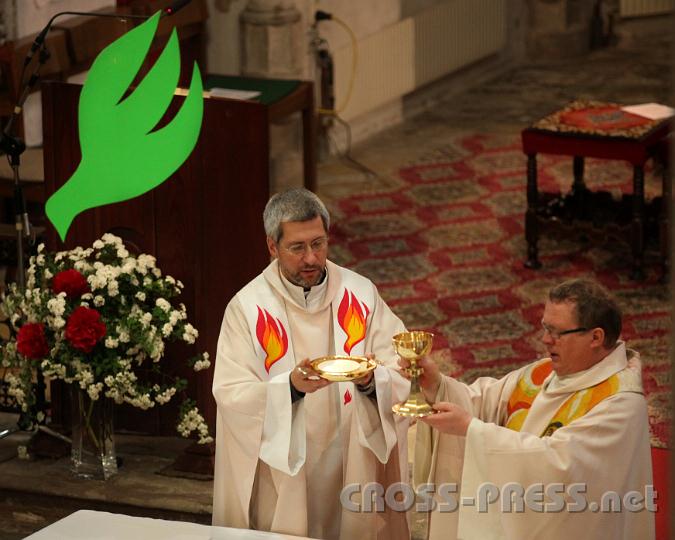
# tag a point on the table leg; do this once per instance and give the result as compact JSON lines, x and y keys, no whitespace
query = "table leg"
{"x":637,"y":223}
{"x":665,"y":218}
{"x":531,"y":222}
{"x":579,"y":195}
{"x":578,"y":168}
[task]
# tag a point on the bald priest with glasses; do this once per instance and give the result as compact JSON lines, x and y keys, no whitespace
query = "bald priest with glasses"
{"x":288,"y":441}
{"x":557,"y":449}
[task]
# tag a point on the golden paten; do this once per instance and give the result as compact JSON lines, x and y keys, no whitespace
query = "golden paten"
{"x":343,"y":368}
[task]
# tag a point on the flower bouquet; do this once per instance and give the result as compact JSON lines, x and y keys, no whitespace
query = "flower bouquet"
{"x":98,"y":318}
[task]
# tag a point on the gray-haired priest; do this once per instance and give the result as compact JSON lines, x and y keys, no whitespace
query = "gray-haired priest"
{"x":287,"y":440}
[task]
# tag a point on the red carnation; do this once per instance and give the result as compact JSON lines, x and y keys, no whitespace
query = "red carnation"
{"x":70,"y":282}
{"x":31,"y":341}
{"x":84,"y":329}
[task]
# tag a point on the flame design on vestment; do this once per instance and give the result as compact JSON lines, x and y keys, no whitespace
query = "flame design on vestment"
{"x":272,"y":337}
{"x":352,"y":315}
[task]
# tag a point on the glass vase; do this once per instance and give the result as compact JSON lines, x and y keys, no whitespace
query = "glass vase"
{"x":93,"y":440}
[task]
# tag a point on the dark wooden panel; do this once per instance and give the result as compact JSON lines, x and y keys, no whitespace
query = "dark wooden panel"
{"x":204,"y":224}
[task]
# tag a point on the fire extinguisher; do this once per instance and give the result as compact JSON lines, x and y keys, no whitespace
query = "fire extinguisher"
{"x":326,"y":74}
{"x":325,"y":68}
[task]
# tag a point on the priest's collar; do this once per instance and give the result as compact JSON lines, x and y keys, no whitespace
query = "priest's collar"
{"x":307,"y":290}
{"x":306,"y":296}
{"x":614,"y":362}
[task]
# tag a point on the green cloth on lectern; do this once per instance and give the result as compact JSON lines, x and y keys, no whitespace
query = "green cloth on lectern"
{"x":271,"y":90}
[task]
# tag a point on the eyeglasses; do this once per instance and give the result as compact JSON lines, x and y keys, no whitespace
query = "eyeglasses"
{"x":298,"y":249}
{"x":557,"y":334}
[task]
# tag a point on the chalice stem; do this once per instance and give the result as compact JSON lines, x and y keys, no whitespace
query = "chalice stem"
{"x":415,"y":384}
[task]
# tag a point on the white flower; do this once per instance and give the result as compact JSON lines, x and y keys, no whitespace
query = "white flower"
{"x":82,"y":266}
{"x":157,"y":350}
{"x":98,"y":244}
{"x":176,"y":316}
{"x":111,"y":239}
{"x":163,"y":304}
{"x":111,"y":342}
{"x":140,"y":295}
{"x":165,"y":396}
{"x":129,"y":266}
{"x":193,"y":421}
{"x":122,"y":334}
{"x":94,"y":390}
{"x":99,"y":300}
{"x":41,"y":247}
{"x":96,"y":282}
{"x":56,"y":323}
{"x":201,"y":364}
{"x":57,"y":306}
{"x":85,"y":377}
{"x":204,"y":363}
{"x":113,"y":288}
{"x":166,"y":329}
{"x":190,"y":334}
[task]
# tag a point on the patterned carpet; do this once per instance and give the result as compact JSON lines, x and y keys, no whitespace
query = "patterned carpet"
{"x":444,"y":241}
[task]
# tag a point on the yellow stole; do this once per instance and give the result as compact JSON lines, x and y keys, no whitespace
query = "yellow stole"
{"x":530,"y":383}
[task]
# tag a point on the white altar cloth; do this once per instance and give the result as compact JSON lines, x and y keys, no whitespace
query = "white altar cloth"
{"x":92,"y":525}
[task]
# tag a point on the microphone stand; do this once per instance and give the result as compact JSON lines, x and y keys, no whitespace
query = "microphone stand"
{"x":14,"y":147}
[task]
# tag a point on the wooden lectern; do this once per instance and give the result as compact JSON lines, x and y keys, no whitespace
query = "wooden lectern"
{"x":204,"y":225}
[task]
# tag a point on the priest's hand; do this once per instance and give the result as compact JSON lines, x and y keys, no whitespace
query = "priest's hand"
{"x":429,"y":379}
{"x":304,"y":379}
{"x":365,"y":380}
{"x":449,"y":418}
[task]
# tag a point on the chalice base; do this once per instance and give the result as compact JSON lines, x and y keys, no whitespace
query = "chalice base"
{"x":413,"y":407}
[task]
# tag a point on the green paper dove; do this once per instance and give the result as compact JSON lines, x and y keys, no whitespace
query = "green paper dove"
{"x":122,"y":157}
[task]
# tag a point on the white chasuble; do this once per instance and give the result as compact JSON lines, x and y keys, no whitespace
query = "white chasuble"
{"x":605,"y":450}
{"x":286,"y":470}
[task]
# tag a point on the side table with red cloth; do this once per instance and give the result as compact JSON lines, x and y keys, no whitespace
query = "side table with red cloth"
{"x":600,"y":130}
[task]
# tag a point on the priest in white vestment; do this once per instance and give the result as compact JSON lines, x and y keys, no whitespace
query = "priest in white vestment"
{"x":287,"y":442}
{"x":558,"y":449}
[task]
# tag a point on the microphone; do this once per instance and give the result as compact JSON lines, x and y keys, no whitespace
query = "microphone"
{"x":171,"y":9}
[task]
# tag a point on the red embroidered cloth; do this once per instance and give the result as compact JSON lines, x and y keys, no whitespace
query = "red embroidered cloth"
{"x":597,"y":118}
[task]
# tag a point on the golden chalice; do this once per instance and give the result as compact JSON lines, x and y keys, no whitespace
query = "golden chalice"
{"x":411,"y":346}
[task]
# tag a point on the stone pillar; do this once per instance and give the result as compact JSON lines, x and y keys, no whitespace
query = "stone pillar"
{"x":273,"y":45}
{"x":7,"y":20}
{"x":560,"y":28}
